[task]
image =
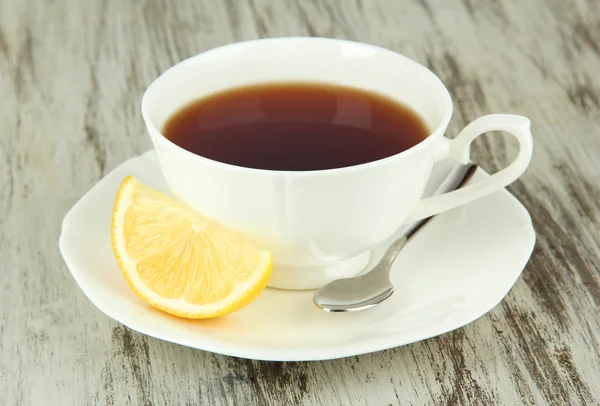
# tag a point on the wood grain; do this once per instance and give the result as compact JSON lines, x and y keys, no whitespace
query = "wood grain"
{"x":71,"y":77}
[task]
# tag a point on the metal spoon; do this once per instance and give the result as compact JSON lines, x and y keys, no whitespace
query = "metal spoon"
{"x":373,"y":287}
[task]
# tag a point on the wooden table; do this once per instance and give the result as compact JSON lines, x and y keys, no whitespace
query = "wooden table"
{"x":71,"y":77}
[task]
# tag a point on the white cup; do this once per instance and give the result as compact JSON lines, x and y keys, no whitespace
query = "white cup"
{"x":320,"y":225}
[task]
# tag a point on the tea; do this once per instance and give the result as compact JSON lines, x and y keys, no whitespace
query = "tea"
{"x":295,"y":127}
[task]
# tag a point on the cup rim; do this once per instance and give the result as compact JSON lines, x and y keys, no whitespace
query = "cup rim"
{"x":433,"y":133}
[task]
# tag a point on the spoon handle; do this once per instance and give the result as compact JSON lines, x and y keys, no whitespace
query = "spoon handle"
{"x":390,"y":255}
{"x":456,"y":179}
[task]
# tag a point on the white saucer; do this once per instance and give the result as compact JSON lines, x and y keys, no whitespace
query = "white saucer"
{"x":457,"y":269}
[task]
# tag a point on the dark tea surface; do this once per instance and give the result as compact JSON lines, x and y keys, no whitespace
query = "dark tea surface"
{"x":295,"y":127}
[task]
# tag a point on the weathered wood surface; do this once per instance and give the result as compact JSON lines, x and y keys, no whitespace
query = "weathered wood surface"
{"x":71,"y":77}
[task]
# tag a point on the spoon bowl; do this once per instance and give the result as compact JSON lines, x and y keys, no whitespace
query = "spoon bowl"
{"x":353,"y":294}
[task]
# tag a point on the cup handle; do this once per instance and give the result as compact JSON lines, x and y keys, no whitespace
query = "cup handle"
{"x":458,"y":149}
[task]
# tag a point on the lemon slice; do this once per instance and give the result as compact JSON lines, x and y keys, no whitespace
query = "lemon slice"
{"x":181,"y":262}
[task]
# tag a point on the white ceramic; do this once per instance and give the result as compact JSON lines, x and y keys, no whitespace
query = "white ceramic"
{"x":479,"y":252}
{"x":320,"y":225}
